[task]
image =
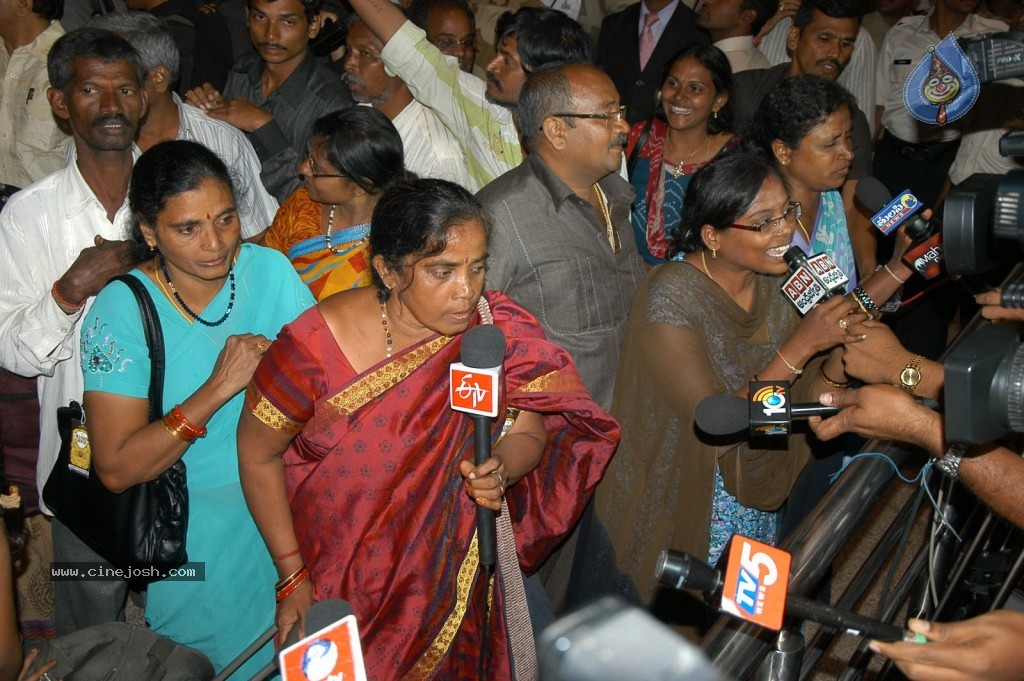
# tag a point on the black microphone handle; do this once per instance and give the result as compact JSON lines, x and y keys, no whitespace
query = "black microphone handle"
{"x":842,"y":620}
{"x":809,"y":409}
{"x":485,"y":530}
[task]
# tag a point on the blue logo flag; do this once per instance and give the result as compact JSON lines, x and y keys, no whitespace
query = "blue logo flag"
{"x":943,"y":86}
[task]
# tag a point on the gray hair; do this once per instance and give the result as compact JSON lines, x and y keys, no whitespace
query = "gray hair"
{"x":546,"y":91}
{"x":149,"y":36}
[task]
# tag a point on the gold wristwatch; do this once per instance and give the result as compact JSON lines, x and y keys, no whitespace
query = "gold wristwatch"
{"x":911,"y":374}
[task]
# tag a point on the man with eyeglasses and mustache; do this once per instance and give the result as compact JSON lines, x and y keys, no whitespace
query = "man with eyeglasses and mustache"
{"x":62,"y":238}
{"x":276,"y":94}
{"x":430,"y":149}
{"x":451,"y":27}
{"x":561,"y":244}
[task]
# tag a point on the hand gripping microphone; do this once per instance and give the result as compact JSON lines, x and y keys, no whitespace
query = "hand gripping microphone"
{"x":926,"y":255}
{"x":814,"y":278}
{"x":475,"y":385}
{"x":767,"y":411}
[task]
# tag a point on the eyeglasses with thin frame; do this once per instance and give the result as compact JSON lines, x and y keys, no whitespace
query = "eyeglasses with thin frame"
{"x":449,"y":43}
{"x":608,"y":118}
{"x":313,"y":168}
{"x":792,"y":214}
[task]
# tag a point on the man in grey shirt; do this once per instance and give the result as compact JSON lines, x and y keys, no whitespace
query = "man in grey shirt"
{"x":561,"y":244}
{"x":276,"y":94}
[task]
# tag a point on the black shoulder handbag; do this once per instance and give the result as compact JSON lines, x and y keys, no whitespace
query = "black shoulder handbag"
{"x":146,"y":524}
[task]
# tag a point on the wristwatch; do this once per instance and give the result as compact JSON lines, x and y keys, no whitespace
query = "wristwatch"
{"x":949,"y":464}
{"x":911,"y":374}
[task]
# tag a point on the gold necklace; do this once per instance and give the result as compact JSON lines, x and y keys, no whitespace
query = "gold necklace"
{"x":804,"y":230}
{"x":613,"y":238}
{"x":167,"y":293}
{"x":678,"y":170}
{"x":387,"y":330}
{"x":704,"y":262}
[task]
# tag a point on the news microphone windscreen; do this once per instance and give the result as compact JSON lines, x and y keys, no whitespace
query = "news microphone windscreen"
{"x":320,"y":616}
{"x":872,"y":193}
{"x":722,"y":414}
{"x":483,"y":347}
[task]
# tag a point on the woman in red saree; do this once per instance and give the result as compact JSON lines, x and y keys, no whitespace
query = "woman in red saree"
{"x":355,"y":467}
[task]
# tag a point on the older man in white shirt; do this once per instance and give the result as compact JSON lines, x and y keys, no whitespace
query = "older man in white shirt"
{"x":430,"y":149}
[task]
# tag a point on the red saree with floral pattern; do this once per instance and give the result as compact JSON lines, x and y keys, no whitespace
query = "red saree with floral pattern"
{"x":379,"y":506}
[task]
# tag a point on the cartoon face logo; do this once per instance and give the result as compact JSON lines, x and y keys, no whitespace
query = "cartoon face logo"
{"x":943,"y":86}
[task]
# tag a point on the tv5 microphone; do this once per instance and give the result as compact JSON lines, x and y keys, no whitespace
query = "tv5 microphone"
{"x":925,"y":256}
{"x":755,"y":588}
{"x":475,"y":386}
{"x":814,"y":278}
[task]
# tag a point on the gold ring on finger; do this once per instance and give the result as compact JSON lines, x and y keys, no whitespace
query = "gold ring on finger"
{"x":843,"y":323}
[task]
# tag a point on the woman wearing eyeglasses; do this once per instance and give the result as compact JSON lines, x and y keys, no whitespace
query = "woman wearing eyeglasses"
{"x":707,"y":324}
{"x":353,"y":156}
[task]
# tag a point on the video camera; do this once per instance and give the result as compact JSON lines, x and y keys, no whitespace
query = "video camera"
{"x":983,"y":233}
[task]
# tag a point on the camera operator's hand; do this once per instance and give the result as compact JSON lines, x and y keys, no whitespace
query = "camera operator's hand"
{"x":991,"y":307}
{"x":986,"y":647}
{"x":878,"y":357}
{"x":883,"y":412}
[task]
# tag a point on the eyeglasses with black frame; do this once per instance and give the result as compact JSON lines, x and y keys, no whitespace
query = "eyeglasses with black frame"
{"x":313,"y":168}
{"x":612,"y":118}
{"x":792,"y":214}
{"x":449,"y":43}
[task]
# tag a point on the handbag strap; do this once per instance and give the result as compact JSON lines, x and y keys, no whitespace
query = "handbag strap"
{"x":155,"y":341}
{"x":641,"y":141}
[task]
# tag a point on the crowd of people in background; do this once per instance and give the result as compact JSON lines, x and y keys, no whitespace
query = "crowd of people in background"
{"x":322,"y":198}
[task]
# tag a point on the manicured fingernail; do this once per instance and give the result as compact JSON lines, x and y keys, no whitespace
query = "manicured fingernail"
{"x":480,"y":500}
{"x":826,"y":398}
{"x":875,"y":648}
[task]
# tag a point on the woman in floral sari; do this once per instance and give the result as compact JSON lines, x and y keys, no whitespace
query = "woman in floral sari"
{"x":354,"y":156}
{"x":358,"y":472}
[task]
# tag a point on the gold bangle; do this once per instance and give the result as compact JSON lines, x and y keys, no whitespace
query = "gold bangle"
{"x":176,"y":433}
{"x":792,"y":369}
{"x":885,"y":266}
{"x":829,"y":381}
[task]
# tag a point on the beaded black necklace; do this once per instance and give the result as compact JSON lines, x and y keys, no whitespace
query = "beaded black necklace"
{"x":186,"y":308}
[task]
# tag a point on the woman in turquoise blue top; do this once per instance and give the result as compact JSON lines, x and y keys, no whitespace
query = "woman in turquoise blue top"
{"x":220,"y":305}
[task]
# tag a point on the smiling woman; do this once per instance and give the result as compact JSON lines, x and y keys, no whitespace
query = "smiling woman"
{"x":360,"y":476}
{"x":707,"y":323}
{"x":220,"y":303}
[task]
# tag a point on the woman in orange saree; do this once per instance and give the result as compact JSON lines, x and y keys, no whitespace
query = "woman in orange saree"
{"x":354,"y":156}
{"x":377,"y":494}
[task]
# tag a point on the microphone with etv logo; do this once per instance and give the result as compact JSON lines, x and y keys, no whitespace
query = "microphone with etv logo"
{"x":475,"y":385}
{"x":814,"y":278}
{"x":925,"y":256}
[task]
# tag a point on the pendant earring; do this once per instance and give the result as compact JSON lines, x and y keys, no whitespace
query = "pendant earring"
{"x":714,"y":254}
{"x":714,"y":115}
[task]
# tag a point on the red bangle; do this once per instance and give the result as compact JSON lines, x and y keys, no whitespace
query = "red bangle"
{"x":185,"y":425}
{"x":289,"y":588}
{"x":59,"y":299}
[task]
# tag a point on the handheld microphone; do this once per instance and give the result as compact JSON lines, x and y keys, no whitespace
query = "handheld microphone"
{"x":319,"y":616}
{"x":767,"y":411}
{"x":814,"y":278}
{"x":926,"y":255}
{"x":755,"y":588}
{"x":330,"y":649}
{"x":475,"y":384}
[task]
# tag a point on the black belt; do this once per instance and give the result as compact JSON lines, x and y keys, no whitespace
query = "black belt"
{"x":920,"y":151}
{"x":7,"y":191}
